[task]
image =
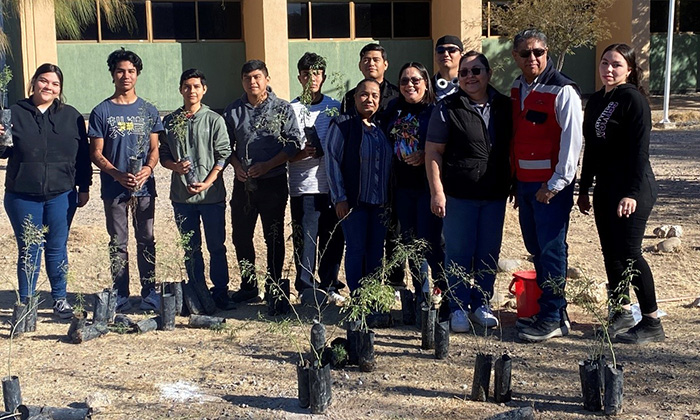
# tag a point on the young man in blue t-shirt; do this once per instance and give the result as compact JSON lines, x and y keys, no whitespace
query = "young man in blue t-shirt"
{"x":123,"y":133}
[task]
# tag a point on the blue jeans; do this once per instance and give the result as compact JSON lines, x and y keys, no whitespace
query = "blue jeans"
{"x":416,"y":221}
{"x":544,"y":228}
{"x":54,"y":214}
{"x":364,"y":230}
{"x":473,"y":231}
{"x":213,"y":217}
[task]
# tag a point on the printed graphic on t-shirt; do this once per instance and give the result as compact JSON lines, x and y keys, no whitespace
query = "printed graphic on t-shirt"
{"x":405,"y":134}
{"x":120,"y":125}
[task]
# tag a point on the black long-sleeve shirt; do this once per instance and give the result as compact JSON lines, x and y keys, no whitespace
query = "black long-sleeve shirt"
{"x":616,"y":127}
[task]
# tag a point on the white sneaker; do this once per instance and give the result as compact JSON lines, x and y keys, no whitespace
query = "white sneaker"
{"x":335,"y":297}
{"x":151,"y":302}
{"x":459,"y":321}
{"x":484,"y":317}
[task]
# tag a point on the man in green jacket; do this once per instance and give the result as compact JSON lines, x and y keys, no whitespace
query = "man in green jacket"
{"x":195,"y":146}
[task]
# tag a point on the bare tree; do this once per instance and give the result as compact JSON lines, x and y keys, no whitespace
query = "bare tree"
{"x":568,"y":24}
{"x":72,"y":16}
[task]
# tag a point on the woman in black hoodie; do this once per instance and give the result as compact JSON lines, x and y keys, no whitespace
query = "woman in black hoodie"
{"x":48,"y":159}
{"x":616,"y":126}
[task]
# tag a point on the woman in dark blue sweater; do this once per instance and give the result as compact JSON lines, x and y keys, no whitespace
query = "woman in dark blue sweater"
{"x":48,"y":159}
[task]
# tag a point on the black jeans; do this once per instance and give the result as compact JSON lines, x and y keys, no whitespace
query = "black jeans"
{"x":269,"y":201}
{"x":621,"y":242}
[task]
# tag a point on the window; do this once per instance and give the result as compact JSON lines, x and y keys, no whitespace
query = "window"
{"x":687,"y":16}
{"x":330,"y":20}
{"x":194,"y":20}
{"x":370,"y":19}
{"x":122,"y":33}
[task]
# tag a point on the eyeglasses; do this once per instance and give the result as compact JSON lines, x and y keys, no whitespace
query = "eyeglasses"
{"x":539,"y":52}
{"x":414,"y":80}
{"x":441,"y":50}
{"x":474,"y":70}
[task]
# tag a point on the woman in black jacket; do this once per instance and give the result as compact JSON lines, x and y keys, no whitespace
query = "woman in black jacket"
{"x":48,"y":159}
{"x":467,"y":160}
{"x":616,"y":127}
{"x":407,"y":129}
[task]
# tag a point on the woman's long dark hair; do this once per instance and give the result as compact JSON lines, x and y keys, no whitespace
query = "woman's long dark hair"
{"x":429,"y":96}
{"x":630,"y":57}
{"x":48,"y":68}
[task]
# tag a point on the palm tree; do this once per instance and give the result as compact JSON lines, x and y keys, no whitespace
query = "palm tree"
{"x":72,"y":16}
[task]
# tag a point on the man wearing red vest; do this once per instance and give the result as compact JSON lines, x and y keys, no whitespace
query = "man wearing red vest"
{"x":547,"y":127}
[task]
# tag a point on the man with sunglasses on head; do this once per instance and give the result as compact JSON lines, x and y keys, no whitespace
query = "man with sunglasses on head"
{"x":547,"y":127}
{"x":448,"y":51}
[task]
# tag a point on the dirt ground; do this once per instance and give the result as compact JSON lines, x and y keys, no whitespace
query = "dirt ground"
{"x":248,"y":370}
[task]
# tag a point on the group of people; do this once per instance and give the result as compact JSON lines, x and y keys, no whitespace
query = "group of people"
{"x":434,"y":159}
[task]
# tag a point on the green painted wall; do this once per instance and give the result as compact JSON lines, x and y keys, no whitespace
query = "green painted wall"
{"x":342,"y":58}
{"x":580,"y":66}
{"x":87,"y":80}
{"x":685,"y":65}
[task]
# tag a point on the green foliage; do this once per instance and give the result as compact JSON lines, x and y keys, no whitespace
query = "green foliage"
{"x":33,"y":238}
{"x":568,"y":24}
{"x":73,"y":16}
{"x":180,"y":124}
{"x":339,"y":353}
{"x":372,"y":296}
{"x":5,"y":78}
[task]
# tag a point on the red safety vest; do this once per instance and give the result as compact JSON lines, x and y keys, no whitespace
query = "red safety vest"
{"x":536,"y":133}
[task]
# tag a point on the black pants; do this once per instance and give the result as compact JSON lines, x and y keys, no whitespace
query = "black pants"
{"x":621,"y":242}
{"x":269,"y":201}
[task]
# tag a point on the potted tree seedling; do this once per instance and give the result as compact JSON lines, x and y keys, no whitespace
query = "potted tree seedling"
{"x":140,"y":149}
{"x":181,"y":127}
{"x":373,"y":296}
{"x":5,"y":114}
{"x":601,"y":382}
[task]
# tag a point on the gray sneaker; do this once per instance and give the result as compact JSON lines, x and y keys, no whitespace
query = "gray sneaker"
{"x":62,"y":309}
{"x":151,"y":302}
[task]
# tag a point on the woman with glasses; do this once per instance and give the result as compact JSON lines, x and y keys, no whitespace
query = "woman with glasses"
{"x":358,"y":163}
{"x":467,"y":161}
{"x":617,"y":126}
{"x":408,"y":117}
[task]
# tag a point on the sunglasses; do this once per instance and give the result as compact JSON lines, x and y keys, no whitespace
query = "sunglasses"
{"x":474,"y":70}
{"x":451,"y":50}
{"x":539,"y":52}
{"x":414,"y":80}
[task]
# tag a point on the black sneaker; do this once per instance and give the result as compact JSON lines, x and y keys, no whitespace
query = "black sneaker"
{"x":541,"y":330}
{"x":565,"y":323}
{"x":620,"y":322}
{"x":648,"y":330}
{"x":224,"y":303}
{"x":62,"y":309}
{"x":245,"y":296}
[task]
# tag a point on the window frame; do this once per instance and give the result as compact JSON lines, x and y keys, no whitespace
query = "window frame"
{"x":149,"y":26}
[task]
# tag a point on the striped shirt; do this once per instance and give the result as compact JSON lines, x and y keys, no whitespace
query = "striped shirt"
{"x":308,"y":176}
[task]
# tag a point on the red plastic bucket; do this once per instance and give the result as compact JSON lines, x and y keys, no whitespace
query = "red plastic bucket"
{"x":527,"y":292}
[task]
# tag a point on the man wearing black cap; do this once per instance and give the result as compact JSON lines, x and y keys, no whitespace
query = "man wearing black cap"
{"x":448,"y":51}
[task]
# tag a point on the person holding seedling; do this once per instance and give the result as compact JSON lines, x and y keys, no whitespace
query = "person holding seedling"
{"x":49,"y":158}
{"x":617,"y":126}
{"x":123,"y":134}
{"x":195,"y":146}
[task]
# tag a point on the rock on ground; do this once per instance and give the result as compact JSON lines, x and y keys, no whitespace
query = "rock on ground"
{"x":669,"y":245}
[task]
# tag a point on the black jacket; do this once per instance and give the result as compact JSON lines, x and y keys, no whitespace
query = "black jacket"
{"x":475,"y":164}
{"x":50,"y":154}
